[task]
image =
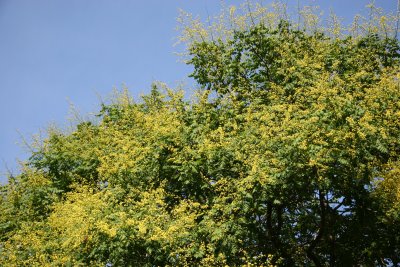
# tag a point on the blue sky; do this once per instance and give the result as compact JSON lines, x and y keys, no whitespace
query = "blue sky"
{"x":53,"y":52}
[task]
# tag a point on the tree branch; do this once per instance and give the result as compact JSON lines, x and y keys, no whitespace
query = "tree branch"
{"x":321,"y":230}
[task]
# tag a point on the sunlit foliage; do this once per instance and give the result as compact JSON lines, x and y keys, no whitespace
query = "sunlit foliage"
{"x":288,"y":156}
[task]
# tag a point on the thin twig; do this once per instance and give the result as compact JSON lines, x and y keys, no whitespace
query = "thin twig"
{"x":398,"y":18}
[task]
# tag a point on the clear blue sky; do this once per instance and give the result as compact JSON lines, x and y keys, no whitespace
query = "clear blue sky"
{"x":55,"y":51}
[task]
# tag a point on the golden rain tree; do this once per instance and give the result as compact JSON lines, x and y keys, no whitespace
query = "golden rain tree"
{"x":288,"y":156}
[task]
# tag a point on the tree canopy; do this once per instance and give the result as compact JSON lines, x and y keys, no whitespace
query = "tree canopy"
{"x":287,"y":156}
